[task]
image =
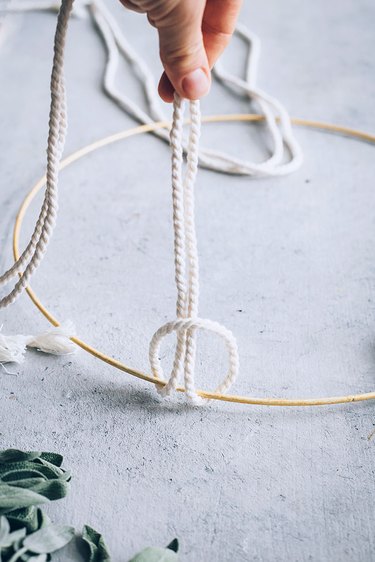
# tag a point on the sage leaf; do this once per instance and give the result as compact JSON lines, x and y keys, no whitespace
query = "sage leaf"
{"x":95,"y":547}
{"x":10,"y":539}
{"x":36,"y":472}
{"x":4,"y":530}
{"x":21,"y":475}
{"x":30,"y":518}
{"x":52,"y":458}
{"x":12,"y":497}
{"x":48,"y":539}
{"x":15,"y":455}
{"x":154,"y":554}
{"x":9,"y":471}
{"x":16,"y":536}
{"x":50,"y":489}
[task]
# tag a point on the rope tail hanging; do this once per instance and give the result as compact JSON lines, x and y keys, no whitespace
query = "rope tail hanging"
{"x":187,"y":268}
{"x":32,"y":256}
{"x":56,"y":340}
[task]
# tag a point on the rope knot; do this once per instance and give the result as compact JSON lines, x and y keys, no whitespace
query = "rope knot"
{"x":187,"y":269}
{"x":185,"y":355}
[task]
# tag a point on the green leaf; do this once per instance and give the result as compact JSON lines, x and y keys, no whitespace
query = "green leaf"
{"x":21,"y":475}
{"x":49,"y":539}
{"x":4,"y":530}
{"x":21,"y":482}
{"x":154,"y":554}
{"x":16,"y":536}
{"x":32,"y":518}
{"x":38,"y":558}
{"x":13,"y":539}
{"x":52,"y":458}
{"x":15,"y":455}
{"x":8,"y":471}
{"x":12,"y":497}
{"x":95,"y":546}
{"x":10,"y":542}
{"x":51,"y":489}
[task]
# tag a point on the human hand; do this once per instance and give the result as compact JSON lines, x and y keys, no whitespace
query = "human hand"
{"x":192,"y":35}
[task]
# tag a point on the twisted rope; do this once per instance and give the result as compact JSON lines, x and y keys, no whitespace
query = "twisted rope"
{"x":187,"y":269}
{"x":36,"y":248}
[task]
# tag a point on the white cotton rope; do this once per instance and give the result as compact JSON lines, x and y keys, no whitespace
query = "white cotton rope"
{"x":187,"y":269}
{"x":36,"y":248}
{"x":286,"y":157}
{"x":12,"y":347}
{"x":282,"y":135}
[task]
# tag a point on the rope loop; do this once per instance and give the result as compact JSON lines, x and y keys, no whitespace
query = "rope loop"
{"x":187,"y":267}
{"x":182,"y":327}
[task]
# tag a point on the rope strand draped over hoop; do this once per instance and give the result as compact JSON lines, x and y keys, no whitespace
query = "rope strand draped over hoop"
{"x":57,"y":340}
{"x":36,"y":248}
{"x":187,"y":268}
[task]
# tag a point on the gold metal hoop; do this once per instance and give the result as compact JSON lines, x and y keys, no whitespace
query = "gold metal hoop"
{"x":362,"y":136}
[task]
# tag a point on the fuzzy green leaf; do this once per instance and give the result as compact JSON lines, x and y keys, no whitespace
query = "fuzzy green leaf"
{"x":50,"y":489}
{"x":49,"y":539}
{"x":15,"y":455}
{"x":16,"y":536}
{"x":10,"y":476}
{"x":4,"y":530}
{"x":31,"y":518}
{"x":52,"y":458}
{"x":13,"y":540}
{"x":12,"y":497}
{"x":154,"y":554}
{"x":95,"y":546}
{"x":9,"y":471}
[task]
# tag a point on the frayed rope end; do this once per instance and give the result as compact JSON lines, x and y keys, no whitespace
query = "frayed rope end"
{"x":55,"y":341}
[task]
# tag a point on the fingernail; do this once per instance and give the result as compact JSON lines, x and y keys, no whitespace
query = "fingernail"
{"x":196,"y":84}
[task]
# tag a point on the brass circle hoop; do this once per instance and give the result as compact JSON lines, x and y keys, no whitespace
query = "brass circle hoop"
{"x":362,"y":136}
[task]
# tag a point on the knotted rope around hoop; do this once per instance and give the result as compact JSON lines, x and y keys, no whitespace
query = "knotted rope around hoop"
{"x":187,"y":268}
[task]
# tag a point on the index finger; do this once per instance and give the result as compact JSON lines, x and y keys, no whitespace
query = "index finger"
{"x":218,"y":25}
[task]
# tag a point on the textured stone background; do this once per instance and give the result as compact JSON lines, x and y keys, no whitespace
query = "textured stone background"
{"x":287,"y":264}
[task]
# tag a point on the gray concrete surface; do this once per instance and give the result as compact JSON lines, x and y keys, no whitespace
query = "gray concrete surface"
{"x":287,"y":264}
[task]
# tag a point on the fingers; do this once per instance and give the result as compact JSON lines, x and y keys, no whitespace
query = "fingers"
{"x":192,"y":35}
{"x":219,"y":22}
{"x":166,"y":90}
{"x":182,"y":50}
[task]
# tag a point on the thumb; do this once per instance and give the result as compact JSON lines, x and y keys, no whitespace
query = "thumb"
{"x":182,"y":50}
